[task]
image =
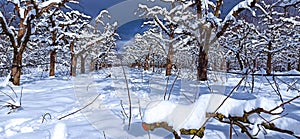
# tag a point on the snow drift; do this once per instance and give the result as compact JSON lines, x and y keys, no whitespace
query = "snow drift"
{"x":193,"y":116}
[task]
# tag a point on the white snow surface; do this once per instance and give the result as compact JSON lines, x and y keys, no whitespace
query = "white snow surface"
{"x":5,"y":82}
{"x":59,"y":131}
{"x":58,"y":96}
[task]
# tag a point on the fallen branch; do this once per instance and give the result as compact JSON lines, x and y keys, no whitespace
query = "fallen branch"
{"x":272,"y":126}
{"x":80,"y":108}
{"x":243,"y":121}
{"x":164,"y":125}
{"x":44,"y":117}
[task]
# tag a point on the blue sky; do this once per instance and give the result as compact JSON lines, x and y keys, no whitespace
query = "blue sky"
{"x":122,"y":12}
{"x":93,"y":7}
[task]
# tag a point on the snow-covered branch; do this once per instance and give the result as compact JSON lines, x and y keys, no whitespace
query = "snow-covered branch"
{"x":246,"y":4}
{"x":7,"y":30}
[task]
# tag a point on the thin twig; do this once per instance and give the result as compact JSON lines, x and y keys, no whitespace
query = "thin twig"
{"x":166,"y":90}
{"x":282,"y":104}
{"x":187,"y":97}
{"x":294,"y":83}
{"x":80,"y":108}
{"x":209,"y":87}
{"x":240,"y":82}
{"x":172,"y":87}
{"x":278,"y":117}
{"x":44,"y":117}
{"x":236,"y":133}
{"x":8,"y":96}
{"x":13,"y":91}
{"x":129,"y":98}
{"x":290,"y":86}
{"x":252,"y":84}
{"x":121,"y":102}
{"x":140,"y":110}
{"x":276,"y":90}
{"x":257,"y":74}
{"x":104,"y":135}
{"x":6,"y":102}
{"x":230,"y":130}
{"x":20,"y":100}
{"x":148,"y":132}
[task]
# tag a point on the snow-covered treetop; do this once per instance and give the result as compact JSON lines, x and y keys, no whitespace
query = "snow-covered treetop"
{"x":186,"y":20}
{"x":27,"y":12}
{"x":99,"y":38}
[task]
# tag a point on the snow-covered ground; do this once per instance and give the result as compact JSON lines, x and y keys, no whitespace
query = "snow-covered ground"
{"x":108,"y":116}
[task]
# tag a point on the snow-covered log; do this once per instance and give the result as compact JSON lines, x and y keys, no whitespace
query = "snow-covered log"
{"x":176,"y":117}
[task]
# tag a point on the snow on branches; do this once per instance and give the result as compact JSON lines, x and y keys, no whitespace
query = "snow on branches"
{"x":269,"y":40}
{"x":27,"y":13}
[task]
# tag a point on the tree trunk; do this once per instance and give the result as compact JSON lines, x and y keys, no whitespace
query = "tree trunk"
{"x":240,"y":61}
{"x":82,"y":64}
{"x":93,"y":65}
{"x":202,"y":65}
{"x":146,"y":64}
{"x":202,"y":62}
{"x":289,"y":66}
{"x":254,"y":64}
{"x":269,"y":59}
{"x":73,"y":60}
{"x":53,"y":52}
{"x":299,"y":61}
{"x":169,"y":66}
{"x":153,"y":63}
{"x":73,"y":65}
{"x":170,"y":54}
{"x":169,"y":60}
{"x":203,"y":55}
{"x":228,"y":66}
{"x":299,"y":64}
{"x":52,"y":62}
{"x":16,"y":68}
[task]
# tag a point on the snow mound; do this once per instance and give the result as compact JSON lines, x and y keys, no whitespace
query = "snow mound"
{"x":193,"y":116}
{"x":59,"y":131}
{"x":292,"y":72}
{"x":5,"y":82}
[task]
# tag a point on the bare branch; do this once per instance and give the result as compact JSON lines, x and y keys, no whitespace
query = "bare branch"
{"x":218,"y":7}
{"x":80,"y":108}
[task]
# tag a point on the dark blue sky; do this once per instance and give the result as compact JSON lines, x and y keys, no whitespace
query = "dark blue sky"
{"x":93,"y":7}
{"x":123,"y":13}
